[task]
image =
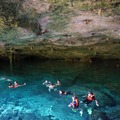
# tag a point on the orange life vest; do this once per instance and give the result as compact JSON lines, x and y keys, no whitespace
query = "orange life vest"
{"x":77,"y":102}
{"x":90,"y":97}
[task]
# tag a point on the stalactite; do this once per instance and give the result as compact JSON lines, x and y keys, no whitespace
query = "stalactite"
{"x":11,"y":61}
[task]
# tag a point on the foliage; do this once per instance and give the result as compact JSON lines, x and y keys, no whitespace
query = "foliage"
{"x":8,"y":12}
{"x":116,"y":10}
{"x":29,"y":19}
{"x":2,"y":23}
{"x":89,"y":4}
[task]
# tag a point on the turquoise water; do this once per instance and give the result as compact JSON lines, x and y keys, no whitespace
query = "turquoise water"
{"x":35,"y":102}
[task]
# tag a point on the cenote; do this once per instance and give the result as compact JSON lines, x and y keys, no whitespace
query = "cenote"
{"x":35,"y":102}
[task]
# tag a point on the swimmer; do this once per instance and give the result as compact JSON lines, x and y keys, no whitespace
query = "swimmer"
{"x":50,"y":85}
{"x":75,"y":102}
{"x":15,"y":85}
{"x":90,"y":98}
{"x":65,"y":92}
{"x":58,"y":83}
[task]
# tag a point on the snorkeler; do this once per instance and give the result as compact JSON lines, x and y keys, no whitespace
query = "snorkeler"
{"x":89,"y":98}
{"x":10,"y":85}
{"x":65,"y":92}
{"x":75,"y":102}
{"x":46,"y":82}
{"x":58,"y":83}
{"x":51,"y":86}
{"x":75,"y":105}
{"x":15,"y":85}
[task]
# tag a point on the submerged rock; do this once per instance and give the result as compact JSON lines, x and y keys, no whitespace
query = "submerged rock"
{"x":98,"y":115}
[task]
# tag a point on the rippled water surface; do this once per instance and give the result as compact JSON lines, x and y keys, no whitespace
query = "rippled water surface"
{"x":35,"y":102}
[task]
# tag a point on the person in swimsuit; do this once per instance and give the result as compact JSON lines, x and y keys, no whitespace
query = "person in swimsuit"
{"x":15,"y":85}
{"x":51,"y":85}
{"x":65,"y":92}
{"x":75,"y":102}
{"x":90,"y":98}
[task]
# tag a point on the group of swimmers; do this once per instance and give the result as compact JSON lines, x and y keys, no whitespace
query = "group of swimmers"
{"x":11,"y":84}
{"x":89,"y":98}
{"x":15,"y":85}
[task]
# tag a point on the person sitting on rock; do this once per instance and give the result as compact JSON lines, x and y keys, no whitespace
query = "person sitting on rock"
{"x":89,"y":98}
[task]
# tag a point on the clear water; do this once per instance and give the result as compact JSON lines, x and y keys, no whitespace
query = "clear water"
{"x":35,"y":102}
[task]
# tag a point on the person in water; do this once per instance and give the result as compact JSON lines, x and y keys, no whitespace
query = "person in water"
{"x":75,"y":102}
{"x":10,"y":85}
{"x":58,"y":83}
{"x":89,"y":98}
{"x":65,"y":92}
{"x":15,"y":85}
{"x":46,"y":82}
{"x":51,"y":86}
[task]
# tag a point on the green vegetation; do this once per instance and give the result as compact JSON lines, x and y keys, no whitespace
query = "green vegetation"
{"x":2,"y":23}
{"x":10,"y":16}
{"x":61,"y":10}
{"x":111,"y":7}
{"x":8,"y":13}
{"x":116,"y":10}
